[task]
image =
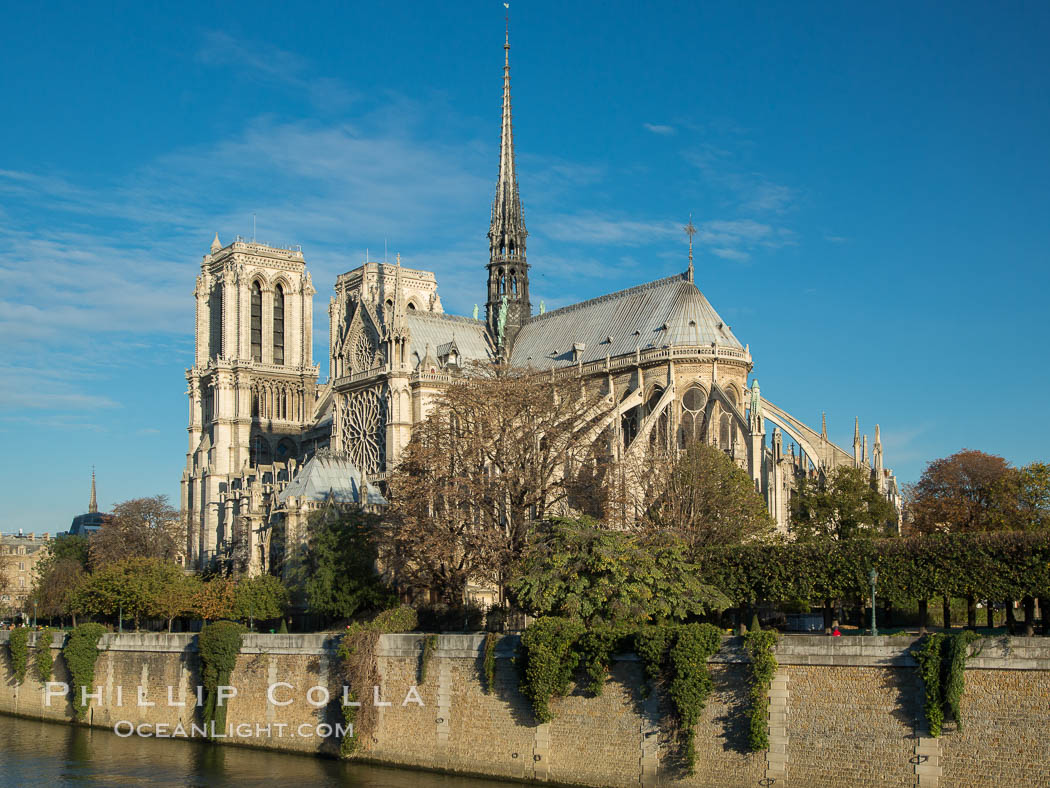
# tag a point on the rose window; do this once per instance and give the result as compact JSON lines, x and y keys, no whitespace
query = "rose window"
{"x":363,"y":352}
{"x":364,"y":428}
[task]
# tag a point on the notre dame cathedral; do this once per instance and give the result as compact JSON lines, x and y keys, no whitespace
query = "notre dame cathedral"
{"x":269,"y":443}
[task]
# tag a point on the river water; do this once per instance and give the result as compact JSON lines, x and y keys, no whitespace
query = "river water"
{"x":34,"y":753}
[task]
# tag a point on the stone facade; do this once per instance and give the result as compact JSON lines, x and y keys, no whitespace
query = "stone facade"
{"x":669,"y":368}
{"x":19,"y":554}
{"x":843,"y":711}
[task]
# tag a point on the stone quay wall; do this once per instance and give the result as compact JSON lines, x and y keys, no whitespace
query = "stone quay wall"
{"x":842,"y":711}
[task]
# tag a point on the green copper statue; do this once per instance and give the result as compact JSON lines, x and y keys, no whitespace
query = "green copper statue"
{"x":501,"y":320}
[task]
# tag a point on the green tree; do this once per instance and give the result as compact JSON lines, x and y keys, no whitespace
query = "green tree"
{"x":177,"y":598}
{"x":338,"y":571}
{"x":133,"y":586}
{"x":703,"y":497}
{"x":579,"y":570}
{"x":67,"y":547}
{"x":1034,"y":496}
{"x":843,"y":504}
{"x":261,"y":597}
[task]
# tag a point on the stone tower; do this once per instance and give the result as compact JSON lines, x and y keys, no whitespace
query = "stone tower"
{"x":252,"y":388}
{"x":508,"y":307}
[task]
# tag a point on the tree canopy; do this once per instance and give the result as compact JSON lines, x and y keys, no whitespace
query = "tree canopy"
{"x":338,"y":569}
{"x":844,"y":504}
{"x":498,"y":451}
{"x":975,"y":491}
{"x":139,"y":528}
{"x":580,"y":570}
{"x":700,"y":495}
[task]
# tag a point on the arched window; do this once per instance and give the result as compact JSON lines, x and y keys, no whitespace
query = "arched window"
{"x":278,"y":325}
{"x":694,"y":404}
{"x":256,"y":322}
{"x":260,"y":453}
{"x":215,"y":320}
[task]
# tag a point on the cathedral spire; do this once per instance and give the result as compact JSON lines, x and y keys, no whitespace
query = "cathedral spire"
{"x":93,"y":503}
{"x":508,"y":269}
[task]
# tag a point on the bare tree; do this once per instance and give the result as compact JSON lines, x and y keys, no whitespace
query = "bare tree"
{"x":140,"y":528}
{"x":498,"y":451}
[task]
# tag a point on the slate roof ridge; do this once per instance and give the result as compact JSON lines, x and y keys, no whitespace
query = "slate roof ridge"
{"x":446,"y":317}
{"x":611,"y":296}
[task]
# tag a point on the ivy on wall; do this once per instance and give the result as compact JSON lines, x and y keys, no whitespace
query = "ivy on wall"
{"x":218,"y":644}
{"x":489,"y":661}
{"x":760,"y":645}
{"x":80,"y":653}
{"x":43,"y":661}
{"x":18,"y":650}
{"x":942,"y":665}
{"x":674,"y":655}
{"x":357,"y":654}
{"x":429,"y":647}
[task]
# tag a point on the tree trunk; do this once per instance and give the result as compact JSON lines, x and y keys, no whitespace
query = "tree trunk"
{"x":1029,"y":616}
{"x":990,"y":609}
{"x":829,"y":615}
{"x":1011,"y":618}
{"x":946,"y":611}
{"x":924,"y":615}
{"x":971,"y":612}
{"x":1043,"y":602}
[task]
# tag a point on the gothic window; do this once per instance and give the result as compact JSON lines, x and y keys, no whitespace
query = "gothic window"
{"x":255,"y":403}
{"x":278,"y":325}
{"x":363,"y":352}
{"x":215,"y":321}
{"x":694,"y":405}
{"x":412,"y":305}
{"x":364,"y":430}
{"x":629,"y":423}
{"x":724,"y":432}
{"x":259,"y":453}
{"x":658,"y":433}
{"x":256,"y":325}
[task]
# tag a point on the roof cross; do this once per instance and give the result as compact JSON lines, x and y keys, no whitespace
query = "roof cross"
{"x":690,"y":230}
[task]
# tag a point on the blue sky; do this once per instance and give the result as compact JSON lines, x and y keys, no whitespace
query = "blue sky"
{"x":870,"y":183}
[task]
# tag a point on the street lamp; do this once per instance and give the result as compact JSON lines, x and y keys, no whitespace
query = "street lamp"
{"x":120,"y":619}
{"x":34,"y":615}
{"x":873,"y":576}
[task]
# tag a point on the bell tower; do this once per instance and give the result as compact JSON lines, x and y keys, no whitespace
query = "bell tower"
{"x":508,"y":307}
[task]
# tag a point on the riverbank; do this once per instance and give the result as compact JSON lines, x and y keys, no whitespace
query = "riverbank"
{"x":841,"y":710}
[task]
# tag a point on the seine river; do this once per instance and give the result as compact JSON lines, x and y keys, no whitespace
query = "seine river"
{"x":50,"y":754}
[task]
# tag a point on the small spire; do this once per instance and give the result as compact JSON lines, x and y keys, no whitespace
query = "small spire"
{"x":878,"y":436}
{"x":93,"y":503}
{"x":824,"y":426}
{"x":690,"y":230}
{"x":856,"y":431}
{"x":216,"y":245}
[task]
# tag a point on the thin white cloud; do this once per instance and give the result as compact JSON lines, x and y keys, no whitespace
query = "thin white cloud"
{"x":658,"y":128}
